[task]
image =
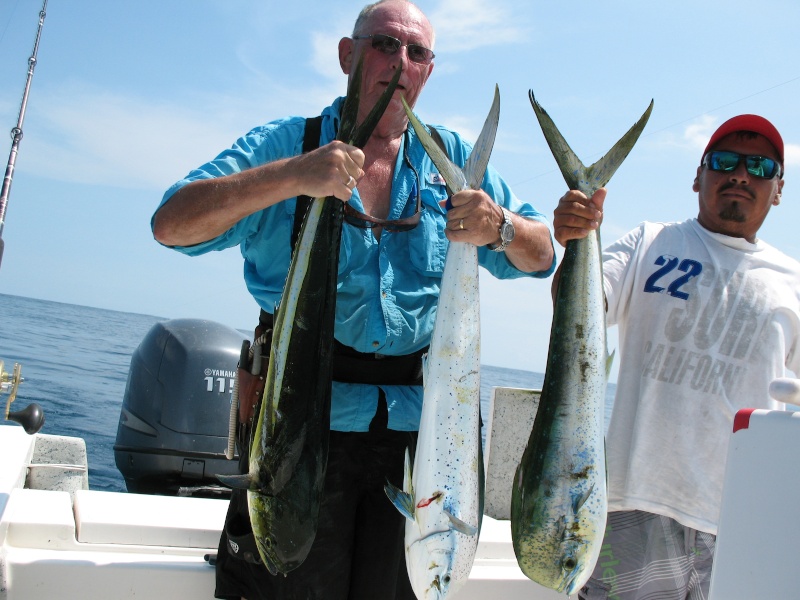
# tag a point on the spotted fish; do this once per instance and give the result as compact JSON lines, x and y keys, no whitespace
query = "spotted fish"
{"x":442,"y":498}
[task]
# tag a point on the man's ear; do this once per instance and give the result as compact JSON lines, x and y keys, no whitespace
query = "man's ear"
{"x":696,"y":184}
{"x":346,"y":54}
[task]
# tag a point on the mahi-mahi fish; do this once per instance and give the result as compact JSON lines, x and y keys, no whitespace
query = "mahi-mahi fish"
{"x":289,"y":446}
{"x":442,"y":499}
{"x":559,"y":500}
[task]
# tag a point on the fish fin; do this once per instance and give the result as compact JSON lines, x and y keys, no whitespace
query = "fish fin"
{"x":349,"y":112}
{"x":478,"y":160}
{"x":460,"y":525}
{"x":403,"y":501}
{"x":452,"y":173}
{"x":471,"y":176}
{"x":588,"y":180}
{"x":408,"y":486}
{"x":580,"y":500}
{"x":361,"y":134}
{"x":609,"y":362}
{"x":285,"y":470}
{"x":236,"y":482}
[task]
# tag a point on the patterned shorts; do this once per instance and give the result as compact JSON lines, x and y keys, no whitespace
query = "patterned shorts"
{"x":652,"y":557}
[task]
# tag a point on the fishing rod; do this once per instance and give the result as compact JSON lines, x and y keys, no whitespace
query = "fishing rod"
{"x":16,"y":132}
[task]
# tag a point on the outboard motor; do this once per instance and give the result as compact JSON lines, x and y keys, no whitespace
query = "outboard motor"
{"x":173,"y":426}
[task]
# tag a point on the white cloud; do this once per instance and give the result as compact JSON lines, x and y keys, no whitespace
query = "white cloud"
{"x":468,"y":24}
{"x":697,"y":134}
{"x":791,"y":154}
{"x":91,"y":136}
{"x":325,"y":56}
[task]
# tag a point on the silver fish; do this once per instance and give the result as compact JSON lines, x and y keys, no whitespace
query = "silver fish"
{"x":443,"y":498}
{"x":559,"y":501}
{"x":289,"y":448}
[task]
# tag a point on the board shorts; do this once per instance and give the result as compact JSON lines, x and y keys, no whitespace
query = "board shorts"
{"x":651,"y":557}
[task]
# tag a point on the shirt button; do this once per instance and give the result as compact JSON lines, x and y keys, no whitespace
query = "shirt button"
{"x":375,"y":344}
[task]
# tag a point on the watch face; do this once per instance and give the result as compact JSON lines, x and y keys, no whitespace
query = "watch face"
{"x":507,"y":232}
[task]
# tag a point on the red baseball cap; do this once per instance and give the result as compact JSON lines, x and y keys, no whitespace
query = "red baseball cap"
{"x":752,"y":123}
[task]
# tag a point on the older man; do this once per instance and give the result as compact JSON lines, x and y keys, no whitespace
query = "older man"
{"x":708,"y":315}
{"x":388,"y":285}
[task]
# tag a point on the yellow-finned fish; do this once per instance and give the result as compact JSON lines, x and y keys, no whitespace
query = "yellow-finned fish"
{"x":559,"y":501}
{"x":442,"y":499}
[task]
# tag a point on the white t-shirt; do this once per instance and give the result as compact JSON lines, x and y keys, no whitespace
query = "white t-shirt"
{"x":706,"y":321}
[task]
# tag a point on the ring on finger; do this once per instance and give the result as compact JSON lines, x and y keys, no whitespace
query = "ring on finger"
{"x":349,"y":181}
{"x":461,"y":224}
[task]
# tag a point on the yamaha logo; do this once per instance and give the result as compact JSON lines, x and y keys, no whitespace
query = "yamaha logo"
{"x":219,"y":380}
{"x":234,"y":546}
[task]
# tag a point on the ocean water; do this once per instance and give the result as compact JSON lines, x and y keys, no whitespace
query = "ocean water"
{"x":75,"y":362}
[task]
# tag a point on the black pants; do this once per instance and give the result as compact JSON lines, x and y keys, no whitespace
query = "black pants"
{"x":358,"y":550}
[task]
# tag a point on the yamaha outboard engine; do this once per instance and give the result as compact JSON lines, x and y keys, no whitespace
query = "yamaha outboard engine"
{"x":173,"y":426}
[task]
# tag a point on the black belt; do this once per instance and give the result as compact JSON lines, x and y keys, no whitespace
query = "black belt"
{"x":352,"y":366}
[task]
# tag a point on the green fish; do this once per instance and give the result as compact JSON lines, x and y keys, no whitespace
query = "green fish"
{"x":559,"y":501}
{"x":289,"y":446}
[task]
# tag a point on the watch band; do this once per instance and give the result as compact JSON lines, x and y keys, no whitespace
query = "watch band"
{"x":506,"y":233}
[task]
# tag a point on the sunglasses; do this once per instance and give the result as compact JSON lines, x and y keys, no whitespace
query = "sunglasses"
{"x":359,"y":219}
{"x":389,"y":45}
{"x":727,"y":162}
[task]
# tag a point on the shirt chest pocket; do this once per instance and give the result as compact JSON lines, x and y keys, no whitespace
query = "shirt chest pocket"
{"x":428,"y":244}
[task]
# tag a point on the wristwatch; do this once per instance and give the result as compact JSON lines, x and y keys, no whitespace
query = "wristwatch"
{"x":506,"y":233}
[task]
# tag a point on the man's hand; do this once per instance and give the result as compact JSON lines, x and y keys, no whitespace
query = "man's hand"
{"x":473,"y":217}
{"x":331,"y":170}
{"x":576,"y":215}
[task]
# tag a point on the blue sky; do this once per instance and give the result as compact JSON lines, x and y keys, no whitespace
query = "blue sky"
{"x":127,"y":97}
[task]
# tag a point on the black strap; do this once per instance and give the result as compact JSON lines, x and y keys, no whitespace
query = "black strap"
{"x":352,"y":366}
{"x":310,"y":142}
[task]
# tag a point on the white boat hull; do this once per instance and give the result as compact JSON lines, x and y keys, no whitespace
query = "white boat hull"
{"x":70,"y":542}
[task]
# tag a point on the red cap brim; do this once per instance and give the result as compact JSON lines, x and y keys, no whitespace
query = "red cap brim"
{"x":752,"y":123}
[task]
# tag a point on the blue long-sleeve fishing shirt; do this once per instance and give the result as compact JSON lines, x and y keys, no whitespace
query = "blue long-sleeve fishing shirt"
{"x":387,"y":289}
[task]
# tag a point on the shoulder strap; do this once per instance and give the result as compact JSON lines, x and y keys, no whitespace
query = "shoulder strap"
{"x":310,"y":142}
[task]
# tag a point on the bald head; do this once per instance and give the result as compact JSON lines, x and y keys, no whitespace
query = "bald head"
{"x":373,"y":12}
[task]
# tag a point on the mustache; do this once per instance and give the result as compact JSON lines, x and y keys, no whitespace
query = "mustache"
{"x":743,"y":188}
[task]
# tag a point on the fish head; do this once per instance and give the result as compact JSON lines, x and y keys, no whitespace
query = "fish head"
{"x":563,"y":569}
{"x":575,"y":569}
{"x":430,"y":568}
{"x":283,"y":529}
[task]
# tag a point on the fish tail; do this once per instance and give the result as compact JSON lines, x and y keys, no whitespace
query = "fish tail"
{"x":577,"y":176}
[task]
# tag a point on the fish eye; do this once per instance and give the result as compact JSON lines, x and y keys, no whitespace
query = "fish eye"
{"x":569,"y":563}
{"x":447,"y":578}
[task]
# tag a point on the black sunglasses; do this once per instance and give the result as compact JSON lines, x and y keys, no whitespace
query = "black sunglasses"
{"x":389,"y":45}
{"x":725,"y":161}
{"x":359,"y":219}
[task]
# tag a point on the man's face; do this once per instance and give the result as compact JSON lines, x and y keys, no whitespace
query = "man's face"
{"x":735,"y":203}
{"x":405,"y":22}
